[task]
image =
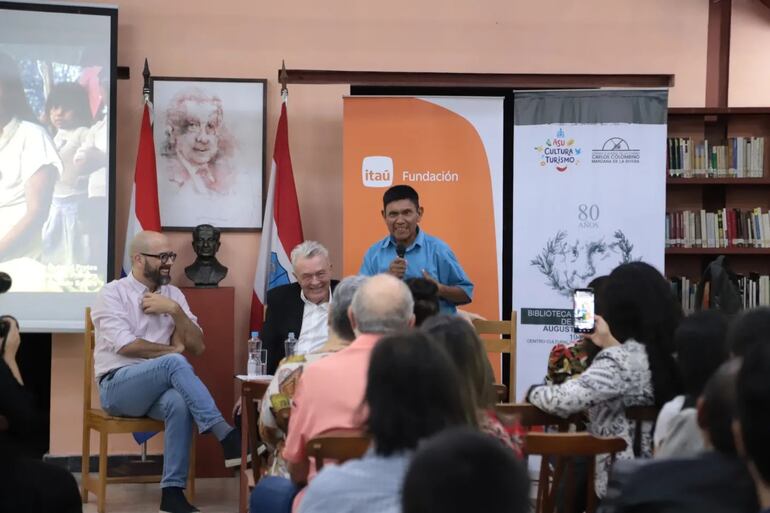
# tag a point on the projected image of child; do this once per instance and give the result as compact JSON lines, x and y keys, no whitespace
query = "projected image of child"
{"x":65,"y":235}
{"x":29,"y":168}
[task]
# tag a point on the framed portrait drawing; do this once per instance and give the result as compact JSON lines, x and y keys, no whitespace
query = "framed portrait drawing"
{"x":209,"y":138}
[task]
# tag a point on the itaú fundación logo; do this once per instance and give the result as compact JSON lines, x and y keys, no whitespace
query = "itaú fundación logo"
{"x":377,"y":171}
{"x":559,"y":152}
{"x":615,"y":150}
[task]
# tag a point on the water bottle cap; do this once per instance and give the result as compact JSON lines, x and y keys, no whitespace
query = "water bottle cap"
{"x":254,"y":334}
{"x":291,"y":334}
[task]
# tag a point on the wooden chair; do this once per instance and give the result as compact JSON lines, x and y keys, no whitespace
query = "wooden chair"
{"x":98,"y":420}
{"x":640,"y":415}
{"x":252,"y":393}
{"x":501,"y":392}
{"x":531,"y":416}
{"x":493,"y":335}
{"x":558,"y":452}
{"x":339,"y":445}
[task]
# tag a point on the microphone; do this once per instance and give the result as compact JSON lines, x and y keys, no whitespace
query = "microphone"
{"x":5,"y":282}
{"x":400,"y":250}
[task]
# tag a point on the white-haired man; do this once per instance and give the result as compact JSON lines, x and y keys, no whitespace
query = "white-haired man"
{"x":301,"y":308}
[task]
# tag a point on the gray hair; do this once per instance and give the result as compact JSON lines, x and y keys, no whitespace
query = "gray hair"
{"x":308,"y":249}
{"x":382,"y":305}
{"x":341,"y":300}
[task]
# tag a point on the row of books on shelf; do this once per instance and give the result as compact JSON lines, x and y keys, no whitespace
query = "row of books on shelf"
{"x":740,"y":157}
{"x":723,"y":228}
{"x":753,"y":288}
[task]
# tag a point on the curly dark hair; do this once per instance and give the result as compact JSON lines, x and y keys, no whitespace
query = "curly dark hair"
{"x":637,"y":302}
{"x":426,"y":302}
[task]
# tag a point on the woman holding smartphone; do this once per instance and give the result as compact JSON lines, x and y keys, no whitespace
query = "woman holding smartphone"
{"x":635,"y":322}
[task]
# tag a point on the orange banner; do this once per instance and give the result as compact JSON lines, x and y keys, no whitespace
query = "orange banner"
{"x":450,"y":151}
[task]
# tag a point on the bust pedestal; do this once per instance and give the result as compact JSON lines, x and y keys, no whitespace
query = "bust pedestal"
{"x":215,"y":309}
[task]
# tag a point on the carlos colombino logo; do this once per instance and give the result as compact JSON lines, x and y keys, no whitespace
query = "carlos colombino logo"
{"x":377,"y":171}
{"x":559,"y":152}
{"x":615,"y":150}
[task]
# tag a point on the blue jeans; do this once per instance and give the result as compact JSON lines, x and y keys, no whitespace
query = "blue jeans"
{"x":167,"y":389}
{"x":272,"y":495}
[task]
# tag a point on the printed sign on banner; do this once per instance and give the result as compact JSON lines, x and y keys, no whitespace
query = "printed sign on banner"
{"x":450,"y":150}
{"x":589,"y":194}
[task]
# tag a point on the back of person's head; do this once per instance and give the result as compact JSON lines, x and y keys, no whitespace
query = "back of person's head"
{"x":637,"y":303}
{"x":464,"y":346}
{"x":459,"y":471}
{"x":412,"y":392}
{"x":717,"y":406}
{"x":701,"y":348}
{"x":383,"y":304}
{"x":753,"y":391}
{"x":748,"y":329}
{"x":340,"y":303}
{"x":73,"y":97}
{"x":400,"y":192}
{"x":425,"y":294}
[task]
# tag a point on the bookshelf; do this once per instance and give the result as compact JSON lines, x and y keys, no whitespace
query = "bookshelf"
{"x":719,"y":126}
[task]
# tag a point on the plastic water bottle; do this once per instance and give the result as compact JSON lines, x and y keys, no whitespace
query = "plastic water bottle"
{"x":254,"y":347}
{"x":290,"y":344}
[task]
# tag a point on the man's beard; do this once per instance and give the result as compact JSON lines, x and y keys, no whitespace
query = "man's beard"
{"x":156,"y":277}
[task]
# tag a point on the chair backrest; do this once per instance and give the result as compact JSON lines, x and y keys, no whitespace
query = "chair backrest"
{"x":531,"y":416}
{"x":641,"y":415}
{"x":501,"y":392}
{"x":500,"y":337}
{"x":252,"y":393}
{"x":89,"y":341}
{"x":559,"y":451}
{"x":338,"y":445}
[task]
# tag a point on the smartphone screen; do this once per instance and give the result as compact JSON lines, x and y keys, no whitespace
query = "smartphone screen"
{"x":583,"y":300}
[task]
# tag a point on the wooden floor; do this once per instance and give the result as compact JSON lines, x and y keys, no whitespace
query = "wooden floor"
{"x":215,"y":495}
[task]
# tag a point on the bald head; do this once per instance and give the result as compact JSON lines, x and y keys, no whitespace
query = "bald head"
{"x":383,"y":304}
{"x":148,"y":242}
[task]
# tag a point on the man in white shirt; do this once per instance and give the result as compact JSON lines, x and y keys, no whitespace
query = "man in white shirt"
{"x":143,"y":325}
{"x":301,"y":308}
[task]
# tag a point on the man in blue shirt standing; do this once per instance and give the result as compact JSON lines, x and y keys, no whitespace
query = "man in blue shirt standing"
{"x":408,"y":252}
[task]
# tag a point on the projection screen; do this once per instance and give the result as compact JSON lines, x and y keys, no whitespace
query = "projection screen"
{"x":57,"y":164}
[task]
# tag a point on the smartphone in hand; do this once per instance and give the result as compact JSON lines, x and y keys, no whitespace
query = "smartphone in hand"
{"x":584,"y":315}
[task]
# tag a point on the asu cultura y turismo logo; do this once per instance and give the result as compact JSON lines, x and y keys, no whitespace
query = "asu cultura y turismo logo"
{"x":559,"y":152}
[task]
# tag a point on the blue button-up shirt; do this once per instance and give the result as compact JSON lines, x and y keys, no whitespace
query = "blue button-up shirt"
{"x":426,"y":252}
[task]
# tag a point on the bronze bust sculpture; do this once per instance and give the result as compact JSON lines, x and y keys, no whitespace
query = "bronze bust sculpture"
{"x":206,"y":271}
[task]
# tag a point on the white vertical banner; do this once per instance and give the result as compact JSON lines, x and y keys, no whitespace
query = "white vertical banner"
{"x":589,"y":193}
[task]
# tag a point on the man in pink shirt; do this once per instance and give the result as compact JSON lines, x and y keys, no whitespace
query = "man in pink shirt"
{"x":330,"y":392}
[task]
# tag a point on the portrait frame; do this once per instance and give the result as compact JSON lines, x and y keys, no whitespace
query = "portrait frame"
{"x":210,"y":136}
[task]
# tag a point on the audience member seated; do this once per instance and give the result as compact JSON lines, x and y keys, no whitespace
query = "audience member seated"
{"x":301,"y":308}
{"x":461,"y":471}
{"x":412,"y":393}
{"x":26,"y":485}
{"x":330,"y":393}
{"x":701,"y":347}
{"x":426,"y":299}
{"x":748,"y":329}
{"x":714,"y":481}
{"x":142,"y":326}
{"x":635,"y":322}
{"x":281,"y":390}
{"x":750,"y":431}
{"x":466,"y":350}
